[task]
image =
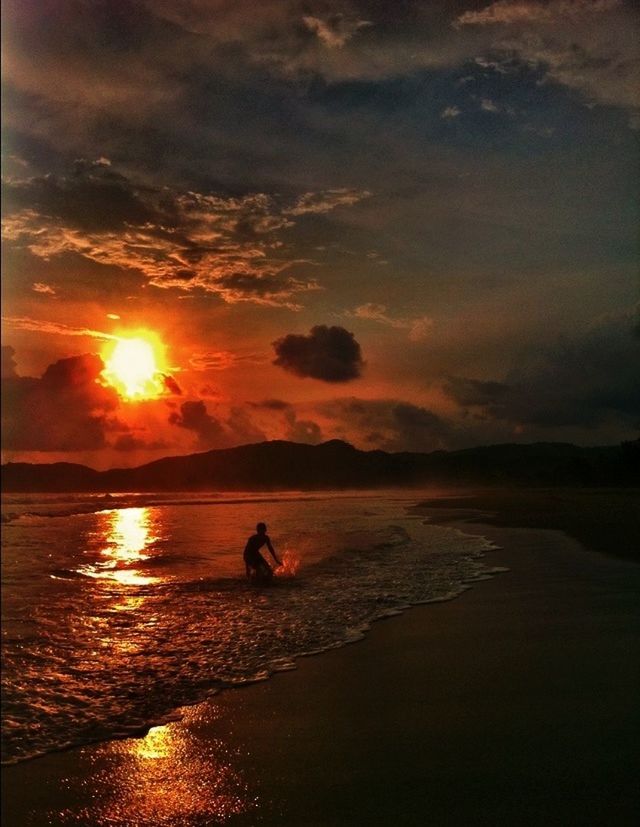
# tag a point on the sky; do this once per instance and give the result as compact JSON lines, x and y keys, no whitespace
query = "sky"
{"x":407,"y":225}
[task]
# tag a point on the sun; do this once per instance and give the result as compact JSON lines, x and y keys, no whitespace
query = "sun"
{"x":133,"y":366}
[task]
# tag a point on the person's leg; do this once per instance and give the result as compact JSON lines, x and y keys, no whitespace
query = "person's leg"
{"x":263,"y":569}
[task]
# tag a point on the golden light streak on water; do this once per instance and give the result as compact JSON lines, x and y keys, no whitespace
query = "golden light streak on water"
{"x":128,"y":536}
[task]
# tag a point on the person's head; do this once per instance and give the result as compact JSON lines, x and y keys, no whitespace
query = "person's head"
{"x":261,"y":528}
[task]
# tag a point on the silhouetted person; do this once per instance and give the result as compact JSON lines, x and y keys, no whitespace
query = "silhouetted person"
{"x":257,"y":567}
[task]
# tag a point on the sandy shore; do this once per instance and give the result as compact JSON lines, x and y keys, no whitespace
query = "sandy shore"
{"x":603,"y":519}
{"x":515,"y":704}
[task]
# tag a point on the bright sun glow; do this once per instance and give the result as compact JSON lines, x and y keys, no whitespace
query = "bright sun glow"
{"x":133,"y":367}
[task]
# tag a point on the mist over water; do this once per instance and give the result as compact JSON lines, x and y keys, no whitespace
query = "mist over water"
{"x":119,"y":610}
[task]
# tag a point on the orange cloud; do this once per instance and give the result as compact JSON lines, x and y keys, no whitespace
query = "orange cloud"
{"x":179,"y":240}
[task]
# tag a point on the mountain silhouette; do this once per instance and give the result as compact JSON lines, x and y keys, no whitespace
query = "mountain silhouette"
{"x":279,"y":465}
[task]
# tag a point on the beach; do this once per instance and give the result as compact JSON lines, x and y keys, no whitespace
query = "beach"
{"x":514,"y":704}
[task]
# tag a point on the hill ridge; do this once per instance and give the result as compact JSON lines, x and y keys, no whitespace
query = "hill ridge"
{"x":280,"y":465}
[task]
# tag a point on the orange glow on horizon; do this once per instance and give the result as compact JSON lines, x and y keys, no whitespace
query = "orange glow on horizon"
{"x":134,"y":366}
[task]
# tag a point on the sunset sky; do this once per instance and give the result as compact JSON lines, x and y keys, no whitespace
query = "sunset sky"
{"x":409,"y":225}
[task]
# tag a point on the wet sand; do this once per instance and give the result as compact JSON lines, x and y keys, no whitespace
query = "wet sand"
{"x":515,"y":704}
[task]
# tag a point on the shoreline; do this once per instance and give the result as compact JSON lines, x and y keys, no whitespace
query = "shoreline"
{"x":412,"y":702}
{"x":602,"y":519}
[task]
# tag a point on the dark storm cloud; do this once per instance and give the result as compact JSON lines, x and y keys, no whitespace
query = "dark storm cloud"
{"x":93,"y":197}
{"x":214,"y":432}
{"x":294,"y":429}
{"x":389,"y":424}
{"x":143,"y":79}
{"x":361,"y":39}
{"x":161,"y":85}
{"x":194,"y":417}
{"x":413,"y":418}
{"x":330,"y":354}
{"x":581,"y":382}
{"x":64,"y":410}
{"x":470,"y":392}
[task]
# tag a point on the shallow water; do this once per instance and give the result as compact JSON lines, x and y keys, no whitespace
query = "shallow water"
{"x":119,"y":610}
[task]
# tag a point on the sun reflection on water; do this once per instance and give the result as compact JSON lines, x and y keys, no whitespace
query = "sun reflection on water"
{"x":127,"y":536}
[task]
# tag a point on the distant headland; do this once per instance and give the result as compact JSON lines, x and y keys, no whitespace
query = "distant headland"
{"x":279,"y":465}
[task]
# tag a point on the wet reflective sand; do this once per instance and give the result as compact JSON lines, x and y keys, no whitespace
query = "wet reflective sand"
{"x":170,"y":776}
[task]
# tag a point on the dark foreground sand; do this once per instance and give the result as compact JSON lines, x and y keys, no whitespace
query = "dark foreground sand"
{"x":516,"y":704}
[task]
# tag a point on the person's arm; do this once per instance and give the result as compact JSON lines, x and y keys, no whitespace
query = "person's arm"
{"x":273,"y":554}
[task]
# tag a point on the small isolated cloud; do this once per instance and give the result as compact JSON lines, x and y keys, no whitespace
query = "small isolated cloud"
{"x":330,"y":354}
{"x":502,"y":66}
{"x":212,"y":360}
{"x":41,"y":287}
{"x":171,"y":385}
{"x":450,"y":112}
{"x":333,"y":32}
{"x":221,"y":359}
{"x":487,"y":105}
{"x":375,"y":256}
{"x":418,"y":328}
{"x":325,"y":201}
{"x":471,"y":392}
{"x":508,"y":12}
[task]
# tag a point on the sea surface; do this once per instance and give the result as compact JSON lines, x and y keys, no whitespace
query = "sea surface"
{"x":119,"y":609}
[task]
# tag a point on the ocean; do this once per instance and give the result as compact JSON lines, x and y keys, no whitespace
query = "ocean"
{"x":119,"y":609}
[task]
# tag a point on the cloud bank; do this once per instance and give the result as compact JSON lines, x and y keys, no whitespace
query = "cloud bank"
{"x":63,"y":410}
{"x":584,"y":381}
{"x":229,"y":246}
